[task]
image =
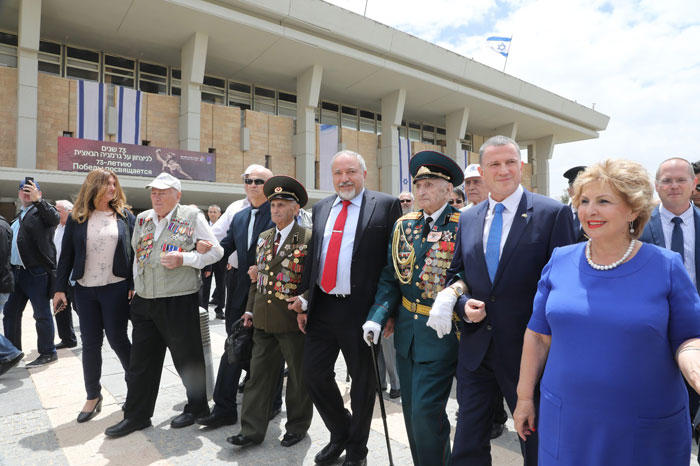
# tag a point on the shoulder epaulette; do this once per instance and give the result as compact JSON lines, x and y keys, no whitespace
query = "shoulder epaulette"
{"x":455,"y":217}
{"x":412,"y":216}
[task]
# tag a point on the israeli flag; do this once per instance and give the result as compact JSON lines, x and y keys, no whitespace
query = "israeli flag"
{"x":91,"y":110}
{"x":404,"y":159}
{"x":129,"y":115}
{"x":499,"y":44}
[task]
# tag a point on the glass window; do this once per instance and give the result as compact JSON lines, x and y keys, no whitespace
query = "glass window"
{"x":468,"y":142}
{"x":367,"y":121}
{"x":265,"y":100}
{"x":329,"y":113}
{"x":428,"y":134}
{"x":239,"y":95}
{"x":49,"y":58}
{"x":287,"y":104}
{"x":349,"y":117}
{"x":119,"y":71}
{"x":175,"y":76}
{"x":379,"y":123}
{"x":414,"y":131}
{"x":153,"y":78}
{"x":441,"y":136}
{"x":82,"y":64}
{"x":8,"y":50}
{"x":214,"y":90}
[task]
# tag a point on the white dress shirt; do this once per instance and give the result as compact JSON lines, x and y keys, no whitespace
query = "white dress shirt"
{"x":435,"y":215}
{"x":202,"y":231}
{"x":688,"y":228}
{"x":221,"y":226}
{"x":511,"y":204}
{"x":58,"y":239}
{"x":342,"y":282}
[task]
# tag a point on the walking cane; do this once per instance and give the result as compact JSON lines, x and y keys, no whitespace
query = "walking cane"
{"x":370,"y":339}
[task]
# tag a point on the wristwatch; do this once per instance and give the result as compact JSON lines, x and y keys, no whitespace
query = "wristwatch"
{"x":457,"y":288}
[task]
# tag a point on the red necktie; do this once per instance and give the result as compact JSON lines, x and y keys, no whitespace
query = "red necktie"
{"x":330,"y":268}
{"x":277,"y":244}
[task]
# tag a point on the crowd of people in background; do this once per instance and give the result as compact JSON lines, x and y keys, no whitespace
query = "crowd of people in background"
{"x":582,"y":318}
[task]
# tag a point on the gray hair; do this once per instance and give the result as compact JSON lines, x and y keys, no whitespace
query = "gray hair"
{"x":691,"y":171}
{"x":250,"y":168}
{"x":354,"y":154}
{"x":67,"y":205}
{"x":215,"y":207}
{"x":407,"y":192}
{"x":498,"y":140}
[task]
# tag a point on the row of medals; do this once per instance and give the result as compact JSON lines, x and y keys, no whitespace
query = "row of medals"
{"x":286,"y":281}
{"x":432,"y":277}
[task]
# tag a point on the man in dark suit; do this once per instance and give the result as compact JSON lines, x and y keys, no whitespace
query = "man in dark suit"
{"x":347,"y":253}
{"x":571,"y":175}
{"x":241,"y":238}
{"x":502,"y":245}
{"x":675,"y":225}
{"x":33,"y":260}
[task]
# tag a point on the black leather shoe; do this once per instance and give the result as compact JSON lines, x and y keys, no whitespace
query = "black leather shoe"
{"x":7,"y":365}
{"x":330,"y":453}
{"x":43,"y":359}
{"x":290,"y":439}
{"x":275,"y":413}
{"x":126,"y":427}
{"x":394,"y":393}
{"x":496,"y":430}
{"x":85,"y":416}
{"x":183,"y":420}
{"x":64,"y":345}
{"x":362,"y":462}
{"x":215,"y":420}
{"x":241,"y":440}
{"x":219,"y":315}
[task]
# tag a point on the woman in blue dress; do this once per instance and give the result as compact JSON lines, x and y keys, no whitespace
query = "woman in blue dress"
{"x":615,"y":327}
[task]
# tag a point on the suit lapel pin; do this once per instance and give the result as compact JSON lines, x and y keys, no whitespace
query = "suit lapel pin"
{"x":524,"y":215}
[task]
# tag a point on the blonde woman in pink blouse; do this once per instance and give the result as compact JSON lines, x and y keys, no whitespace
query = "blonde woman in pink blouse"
{"x":96,"y":248}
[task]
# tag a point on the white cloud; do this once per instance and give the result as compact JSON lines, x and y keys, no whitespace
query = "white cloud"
{"x":636,"y":60}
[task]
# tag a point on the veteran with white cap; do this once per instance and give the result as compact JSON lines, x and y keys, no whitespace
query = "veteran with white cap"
{"x":165,"y":308}
{"x":474,"y":187}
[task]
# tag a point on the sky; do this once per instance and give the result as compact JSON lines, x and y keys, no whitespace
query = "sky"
{"x":637,"y":62}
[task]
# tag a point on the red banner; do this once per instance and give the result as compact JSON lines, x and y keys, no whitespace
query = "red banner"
{"x":84,"y":155}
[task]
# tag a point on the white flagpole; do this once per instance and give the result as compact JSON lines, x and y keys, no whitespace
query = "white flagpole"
{"x":509,"y":44}
{"x":366,"y":2}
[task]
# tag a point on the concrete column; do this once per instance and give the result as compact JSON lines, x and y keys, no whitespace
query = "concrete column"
{"x":304,"y":142}
{"x":544,"y":147}
{"x":29,"y":28}
{"x":388,"y":158}
{"x":510,"y":130}
{"x":456,"y":123}
{"x":193,"y":60}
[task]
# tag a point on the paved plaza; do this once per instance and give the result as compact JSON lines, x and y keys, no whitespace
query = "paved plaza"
{"x":38,"y":408}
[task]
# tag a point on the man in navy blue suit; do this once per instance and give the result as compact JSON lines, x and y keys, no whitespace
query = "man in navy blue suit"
{"x":502,"y":245}
{"x":675,"y":225}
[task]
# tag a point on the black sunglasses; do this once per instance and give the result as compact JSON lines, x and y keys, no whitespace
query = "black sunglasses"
{"x":452,"y":201}
{"x":405,"y":201}
{"x":257,"y":181}
{"x":697,"y":187}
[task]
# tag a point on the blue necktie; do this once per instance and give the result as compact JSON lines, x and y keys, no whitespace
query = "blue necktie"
{"x":677,"y":237}
{"x":493,"y":244}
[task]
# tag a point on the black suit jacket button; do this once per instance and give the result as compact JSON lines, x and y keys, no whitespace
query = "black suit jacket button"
{"x":492,"y":299}
{"x":489,"y":327}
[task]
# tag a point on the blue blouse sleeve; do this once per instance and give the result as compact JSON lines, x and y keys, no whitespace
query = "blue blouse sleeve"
{"x":684,"y":306}
{"x":538,"y":321}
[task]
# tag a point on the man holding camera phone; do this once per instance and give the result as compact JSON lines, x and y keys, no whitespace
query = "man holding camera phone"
{"x":33,"y":260}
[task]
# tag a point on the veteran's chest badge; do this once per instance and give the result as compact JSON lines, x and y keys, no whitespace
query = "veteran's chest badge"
{"x":434,"y":236}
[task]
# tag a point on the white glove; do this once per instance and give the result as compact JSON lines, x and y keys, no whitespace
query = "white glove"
{"x":441,"y":313}
{"x":373,"y":327}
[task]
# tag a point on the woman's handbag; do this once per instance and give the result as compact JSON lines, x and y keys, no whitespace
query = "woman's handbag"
{"x":239,"y":344}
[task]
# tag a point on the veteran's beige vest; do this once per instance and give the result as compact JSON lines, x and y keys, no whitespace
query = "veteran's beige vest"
{"x":152,"y":280}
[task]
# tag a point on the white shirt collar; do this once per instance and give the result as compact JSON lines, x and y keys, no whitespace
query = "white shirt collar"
{"x":435,"y":215}
{"x":357,"y":200}
{"x":284,"y":232}
{"x":667,"y":215}
{"x":511,"y":202}
{"x":154,"y":215}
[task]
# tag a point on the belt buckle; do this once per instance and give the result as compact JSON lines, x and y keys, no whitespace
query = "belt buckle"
{"x":414,"y":307}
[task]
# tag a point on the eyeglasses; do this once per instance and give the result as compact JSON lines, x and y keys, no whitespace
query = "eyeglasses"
{"x":670,"y":181}
{"x":408,"y":201}
{"x":697,"y":187}
{"x":257,"y":181}
{"x":453,"y":201}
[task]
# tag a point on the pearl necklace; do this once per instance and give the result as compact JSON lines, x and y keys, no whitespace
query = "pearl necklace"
{"x":624,"y":257}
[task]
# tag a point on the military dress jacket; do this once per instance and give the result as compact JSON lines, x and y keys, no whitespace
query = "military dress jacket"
{"x":279,"y":278}
{"x":415,"y":273}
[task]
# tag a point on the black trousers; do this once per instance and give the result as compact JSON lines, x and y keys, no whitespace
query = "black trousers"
{"x":219,"y":274}
{"x":161,"y":323}
{"x":64,"y":319}
{"x":331,"y":329}
{"x":476,"y":391}
{"x":231,"y":314}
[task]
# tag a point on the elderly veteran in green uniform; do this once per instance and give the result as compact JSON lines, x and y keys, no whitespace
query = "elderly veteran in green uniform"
{"x":280,"y":258}
{"x":418,"y":258}
{"x":165,"y":308}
